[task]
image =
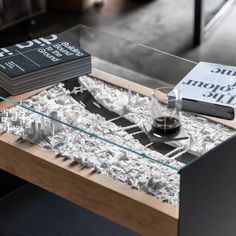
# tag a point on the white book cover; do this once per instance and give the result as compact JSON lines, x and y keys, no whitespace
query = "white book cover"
{"x":210,"y":83}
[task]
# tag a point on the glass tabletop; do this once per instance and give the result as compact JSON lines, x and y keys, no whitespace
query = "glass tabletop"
{"x":130,"y":60}
{"x":86,"y":118}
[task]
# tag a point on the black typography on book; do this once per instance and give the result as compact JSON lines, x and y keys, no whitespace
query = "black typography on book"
{"x":37,"y":54}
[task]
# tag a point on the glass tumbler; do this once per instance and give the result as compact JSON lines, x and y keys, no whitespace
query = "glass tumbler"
{"x":166,"y":111}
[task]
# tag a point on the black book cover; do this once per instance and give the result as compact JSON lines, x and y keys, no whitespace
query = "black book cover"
{"x":37,"y":54}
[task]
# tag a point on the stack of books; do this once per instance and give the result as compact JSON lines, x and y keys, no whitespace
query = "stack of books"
{"x":44,"y":61}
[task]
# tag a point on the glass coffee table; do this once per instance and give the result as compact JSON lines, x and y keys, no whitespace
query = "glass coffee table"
{"x":85,"y":141}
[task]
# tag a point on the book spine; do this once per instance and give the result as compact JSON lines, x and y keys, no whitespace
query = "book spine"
{"x":208,"y":109}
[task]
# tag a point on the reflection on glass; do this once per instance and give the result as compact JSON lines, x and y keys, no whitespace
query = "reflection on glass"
{"x":112,"y":55}
{"x":211,"y":8}
{"x":35,"y":126}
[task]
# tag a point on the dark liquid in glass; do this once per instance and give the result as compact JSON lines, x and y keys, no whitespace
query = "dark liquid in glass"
{"x":166,"y":125}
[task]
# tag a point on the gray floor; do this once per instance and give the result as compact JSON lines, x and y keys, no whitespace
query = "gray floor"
{"x":32,"y":211}
{"x":162,"y":24}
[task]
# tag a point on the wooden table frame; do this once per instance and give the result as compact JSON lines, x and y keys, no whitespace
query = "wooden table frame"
{"x":99,"y":193}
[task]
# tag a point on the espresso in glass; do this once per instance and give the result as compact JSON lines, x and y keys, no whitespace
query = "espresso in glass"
{"x":166,"y":125}
{"x":166,"y":111}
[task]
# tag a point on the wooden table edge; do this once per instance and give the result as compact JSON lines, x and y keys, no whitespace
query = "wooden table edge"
{"x":150,"y":215}
{"x":97,"y":192}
